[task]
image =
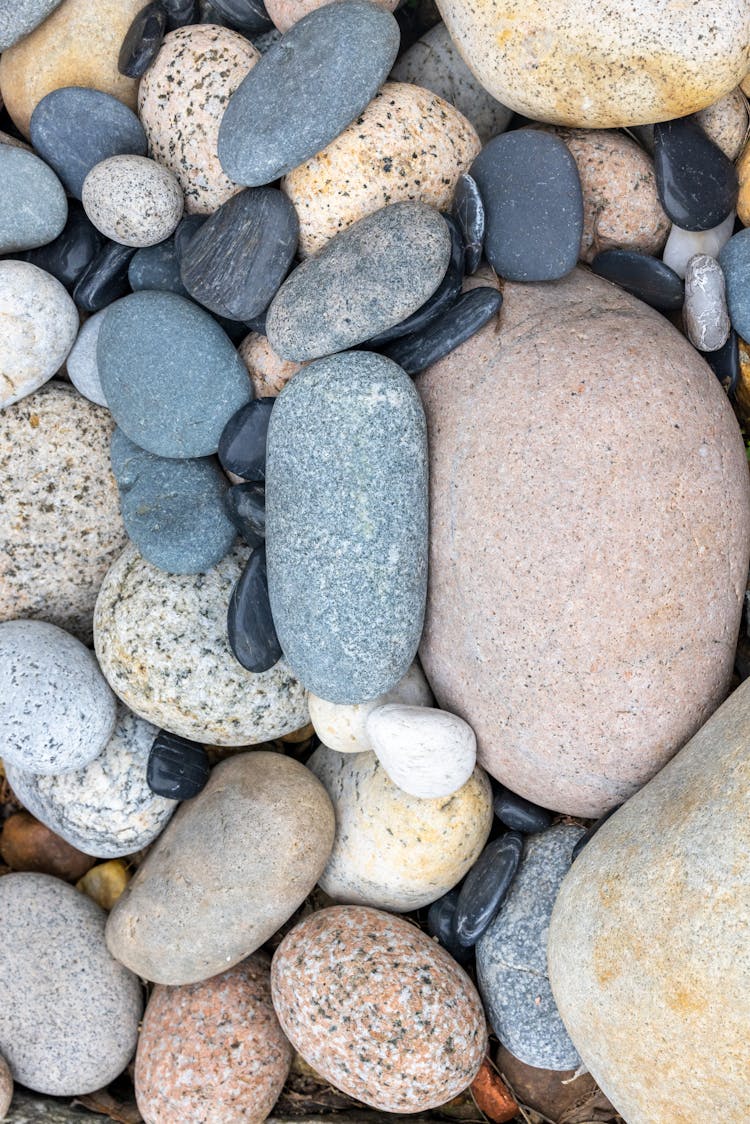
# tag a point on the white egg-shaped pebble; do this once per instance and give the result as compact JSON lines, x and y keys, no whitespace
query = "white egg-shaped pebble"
{"x":426,"y":752}
{"x":343,"y":727}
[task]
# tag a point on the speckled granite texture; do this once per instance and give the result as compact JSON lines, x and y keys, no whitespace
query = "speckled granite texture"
{"x":19,"y":17}
{"x":132,"y":200}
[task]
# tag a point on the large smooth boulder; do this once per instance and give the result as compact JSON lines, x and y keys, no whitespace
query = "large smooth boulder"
{"x":590,"y":526}
{"x":648,"y":952}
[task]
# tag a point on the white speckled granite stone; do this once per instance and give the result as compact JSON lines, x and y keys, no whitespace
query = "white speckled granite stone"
{"x":426,"y":752}
{"x":132,"y":200}
{"x":105,"y":809}
{"x":81,"y":365}
{"x":39,"y":324}
{"x":17,"y":19}
{"x":56,"y":710}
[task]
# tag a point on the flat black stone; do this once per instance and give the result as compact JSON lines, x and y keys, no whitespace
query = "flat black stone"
{"x":725,"y":363}
{"x":647,"y":278}
{"x":237,"y":260}
{"x":72,"y":251}
{"x":242,"y":446}
{"x":187,"y":228}
{"x":245,"y":504}
{"x":143,"y":40}
{"x":471,"y":312}
{"x":250,"y":627}
{"x":105,"y":279}
{"x":588,"y":835}
{"x":519,"y":814}
{"x":485,"y":887}
{"x":156,"y":267}
{"x":247,"y":16}
{"x":177,"y":769}
{"x":697,"y":183}
{"x":180,"y":13}
{"x":440,"y":923}
{"x":468,"y":210}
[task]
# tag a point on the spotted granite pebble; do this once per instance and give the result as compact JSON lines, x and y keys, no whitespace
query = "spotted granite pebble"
{"x":212,"y":1050}
{"x":81,"y":364}
{"x":726,"y":123}
{"x":407,"y":144}
{"x":18,"y":18}
{"x":105,"y":809}
{"x":132,"y":200}
{"x":269,"y":373}
{"x":162,"y":642}
{"x":181,"y":102}
{"x":377,"y":825}
{"x":378,"y":1009}
{"x":61,"y":527}
{"x":33,"y":207}
{"x":40,"y":322}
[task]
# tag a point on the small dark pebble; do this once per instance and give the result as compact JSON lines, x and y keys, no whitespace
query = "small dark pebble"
{"x":186,"y":229}
{"x":725,"y":363}
{"x":235,"y":329}
{"x":697,"y":183}
{"x":247,"y":16}
{"x":143,"y":40}
{"x":177,"y":768}
{"x":519,"y":814}
{"x":242,"y":446}
{"x":440,"y":923}
{"x":105,"y":279}
{"x":485,"y":886}
{"x":72,"y":251}
{"x":156,"y":267}
{"x":245,"y":504}
{"x":471,"y":312}
{"x":468,"y":210}
{"x":591,"y":833}
{"x":180,"y":13}
{"x":647,"y":278}
{"x":257,"y":324}
{"x":250,"y":627}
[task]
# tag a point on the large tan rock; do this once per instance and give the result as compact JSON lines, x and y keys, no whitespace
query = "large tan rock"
{"x":648,"y":952}
{"x":590,"y":528}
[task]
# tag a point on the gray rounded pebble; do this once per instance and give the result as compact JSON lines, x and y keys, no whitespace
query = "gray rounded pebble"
{"x":18,"y":18}
{"x":70,"y":1013}
{"x":705,"y":309}
{"x":33,"y":207}
{"x":81,"y":364}
{"x":734,"y":259}
{"x":56,"y":710}
{"x":157,"y":267}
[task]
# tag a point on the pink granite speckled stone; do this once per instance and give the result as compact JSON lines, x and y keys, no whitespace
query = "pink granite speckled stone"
{"x":378,"y":1009}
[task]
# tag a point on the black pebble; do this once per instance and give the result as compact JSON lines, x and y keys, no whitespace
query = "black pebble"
{"x":519,"y":814}
{"x":697,"y":183}
{"x":471,"y":312}
{"x":468,"y":210}
{"x":143,"y":40}
{"x":440,"y":923}
{"x":647,"y":278}
{"x":725,"y":363}
{"x":588,"y":835}
{"x":105,"y":279}
{"x":72,"y":251}
{"x":180,"y":13}
{"x":257,"y":324}
{"x":177,"y":768}
{"x":242,"y":445}
{"x":486,"y":886}
{"x":187,"y":227}
{"x":250,"y":627}
{"x":248,"y":16}
{"x":245,"y":504}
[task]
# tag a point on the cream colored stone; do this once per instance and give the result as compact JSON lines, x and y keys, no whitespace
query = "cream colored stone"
{"x":682,"y":245}
{"x":426,"y":752}
{"x":132,"y":200}
{"x":343,"y":727}
{"x":39,"y":326}
{"x":269,"y":373}
{"x":726,"y":122}
{"x":285,"y":13}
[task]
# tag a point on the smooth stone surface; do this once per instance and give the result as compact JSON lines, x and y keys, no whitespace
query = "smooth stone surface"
{"x":77,"y":45}
{"x":28,"y":845}
{"x":172,"y":509}
{"x":470,"y":312}
{"x":706,"y":316}
{"x":245,"y":504}
{"x":658,"y":941}
{"x":72,"y":251}
{"x":247,"y":16}
{"x":512,"y":956}
{"x":285,"y":13}
{"x":181,"y":101}
{"x":231,"y":868}
{"x":106,"y":808}
{"x":105,"y":279}
{"x":212,"y":1050}
{"x":177,"y":768}
{"x":40,"y":323}
{"x":33,"y":207}
{"x":346,"y":530}
{"x":161,"y":640}
{"x":743,"y":198}
{"x":269,"y":373}
{"x":79,"y":1034}
{"x":533,"y":204}
{"x":620,"y":65}
{"x":593,"y":496}
{"x":237,"y":260}
{"x":355,"y":990}
{"x":726,"y":123}
{"x":170,"y":374}
{"x":305,"y":89}
{"x":441,"y":918}
{"x":725,"y":363}
{"x":81,"y":364}
{"x":682,"y":245}
{"x":75,"y":128}
{"x":242,"y":447}
{"x":343,"y":727}
{"x":132,"y":200}
{"x":250,"y":627}
{"x":697,"y":183}
{"x":519,"y":814}
{"x":17,"y":19}
{"x":468,"y":210}
{"x":56,"y":711}
{"x":645,"y":277}
{"x":734,"y":260}
{"x":156,"y":267}
{"x":143,"y":40}
{"x":27,"y":1108}
{"x":485,"y":887}
{"x":407,"y":144}
{"x":425,"y":752}
{"x":377,"y":824}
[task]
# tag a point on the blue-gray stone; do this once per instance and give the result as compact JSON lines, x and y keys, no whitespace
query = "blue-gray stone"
{"x":170,"y":375}
{"x":306,"y":89}
{"x":172,"y":509}
{"x":74,"y":128}
{"x":368,"y":278}
{"x":18,"y":18}
{"x":33,"y":207}
{"x":512,"y":956}
{"x":533,"y":205}
{"x":346,"y":524}
{"x":734,"y":259}
{"x":156,"y":267}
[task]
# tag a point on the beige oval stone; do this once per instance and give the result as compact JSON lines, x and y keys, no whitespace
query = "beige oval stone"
{"x":407,"y":144}
{"x":588,"y":546}
{"x":285,"y":13}
{"x":269,"y":373}
{"x":77,"y":45}
{"x":726,"y":122}
{"x":743,"y":173}
{"x":565,"y":62}
{"x":648,"y":954}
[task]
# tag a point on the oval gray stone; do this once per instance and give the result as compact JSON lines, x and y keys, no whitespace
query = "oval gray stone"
{"x":705,"y":310}
{"x":18,"y":18}
{"x":33,"y":207}
{"x":346,"y":524}
{"x":306,"y":89}
{"x":81,"y":364}
{"x":368,"y":278}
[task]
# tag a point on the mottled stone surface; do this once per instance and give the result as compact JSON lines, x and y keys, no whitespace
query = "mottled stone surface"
{"x":425,"y":752}
{"x":378,"y":1009}
{"x":377,"y":825}
{"x":407,"y":144}
{"x":61,"y":528}
{"x":705,"y":312}
{"x":105,"y":809}
{"x":602,"y":477}
{"x":81,"y":364}
{"x":6,"y":1087}
{"x":346,"y":524}
{"x":162,"y":643}
{"x":17,"y":19}
{"x":343,"y":726}
{"x":231,"y":868}
{"x":269,"y":373}
{"x":212,"y":1050}
{"x":682,"y":245}
{"x":72,"y":1027}
{"x":726,"y":123}
{"x":40,"y":323}
{"x":647,"y":950}
{"x":626,"y":64}
{"x":33,"y":207}
{"x":512,"y":956}
{"x":132,"y":200}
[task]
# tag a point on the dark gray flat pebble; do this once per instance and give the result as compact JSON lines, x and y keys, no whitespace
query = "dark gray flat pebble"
{"x":519,"y":814}
{"x":441,"y":918}
{"x":143,"y":40}
{"x":648,"y":278}
{"x":697,"y":183}
{"x":248,"y":16}
{"x":485,"y":886}
{"x":250,"y":627}
{"x":245,"y":504}
{"x":180,"y":13}
{"x":72,"y":251}
{"x":468,"y":210}
{"x":156,"y":267}
{"x":734,"y":259}
{"x":105,"y":278}
{"x":471,"y":312}
{"x":33,"y":207}
{"x":242,"y":447}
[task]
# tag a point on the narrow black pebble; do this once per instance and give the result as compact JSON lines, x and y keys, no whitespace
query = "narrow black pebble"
{"x":519,"y":814}
{"x":242,"y":445}
{"x":105,"y":279}
{"x":697,"y":183}
{"x":441,"y":924}
{"x":143,"y":40}
{"x":180,"y":13}
{"x":591,"y":833}
{"x":485,"y":887}
{"x":245,"y":504}
{"x":248,"y":16}
{"x":72,"y":251}
{"x":250,"y":627}
{"x":468,"y":210}
{"x":645,"y":277}
{"x":725,"y":363}
{"x":177,"y":768}
{"x":471,"y":312}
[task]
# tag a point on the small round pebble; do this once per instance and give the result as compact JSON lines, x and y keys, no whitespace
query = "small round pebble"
{"x":81,"y":364}
{"x":6,"y":1087}
{"x":425,"y":752}
{"x":105,"y":883}
{"x":269,"y":373}
{"x":519,"y":814}
{"x":132,"y":200}
{"x":40,"y":323}
{"x":33,"y":207}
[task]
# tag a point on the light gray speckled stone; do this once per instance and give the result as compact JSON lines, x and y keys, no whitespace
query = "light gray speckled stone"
{"x":81,"y":364}
{"x":162,"y":643}
{"x":705,"y":310}
{"x":40,"y":322}
{"x":132,"y":200}
{"x":105,"y":809}
{"x":19,"y":17}
{"x":56,"y":710}
{"x":69,"y":1016}
{"x":512,"y":956}
{"x":33,"y":207}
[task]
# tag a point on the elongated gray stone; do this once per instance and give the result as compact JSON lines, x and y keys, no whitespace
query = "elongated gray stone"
{"x":705,"y":310}
{"x":346,"y":534}
{"x":33,"y":207}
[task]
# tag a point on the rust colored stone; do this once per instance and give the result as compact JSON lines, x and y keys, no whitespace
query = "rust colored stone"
{"x":492,"y":1095}
{"x":27,"y":844}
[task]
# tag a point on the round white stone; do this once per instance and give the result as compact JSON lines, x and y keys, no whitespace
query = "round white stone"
{"x":426,"y":752}
{"x":343,"y":727}
{"x":705,"y":310}
{"x":682,"y":245}
{"x":39,"y":324}
{"x":81,"y":366}
{"x":132,"y":200}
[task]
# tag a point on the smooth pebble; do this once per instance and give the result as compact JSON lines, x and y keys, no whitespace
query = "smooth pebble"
{"x":177,"y":768}
{"x":71,"y":253}
{"x":40,"y":323}
{"x":17,"y":19}
{"x":706,"y":316}
{"x":734,"y":260}
{"x":426,"y":752}
{"x":645,"y":277}
{"x":81,"y":364}
{"x":143,"y":40}
{"x":682,"y":245}
{"x":485,"y":887}
{"x":132,"y":200}
{"x":697,"y":183}
{"x":245,"y":504}
{"x":156,"y":267}
{"x":33,"y":207}
{"x":105,"y":278}
{"x":471,"y":311}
